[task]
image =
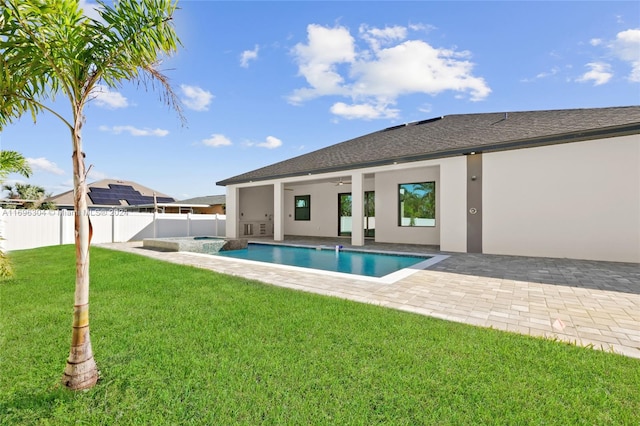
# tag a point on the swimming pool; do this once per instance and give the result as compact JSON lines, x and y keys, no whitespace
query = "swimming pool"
{"x":369,"y":264}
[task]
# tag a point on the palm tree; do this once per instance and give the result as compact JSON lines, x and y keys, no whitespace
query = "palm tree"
{"x":49,"y":48}
{"x":32,"y":196}
{"x":13,"y":162}
{"x":10,"y":162}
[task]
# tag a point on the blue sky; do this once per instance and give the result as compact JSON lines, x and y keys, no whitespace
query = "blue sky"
{"x":265,"y":81}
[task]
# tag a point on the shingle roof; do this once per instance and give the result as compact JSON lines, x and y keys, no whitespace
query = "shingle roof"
{"x":454,"y":135}
{"x":210,"y":200}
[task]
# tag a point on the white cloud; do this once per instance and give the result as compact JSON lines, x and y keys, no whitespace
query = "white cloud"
{"x":270,"y":143}
{"x":377,"y":37}
{"x":600,"y":73}
{"x":45,"y":165}
{"x":545,"y":74}
{"x":217,"y":140}
{"x":426,"y":108}
{"x":422,"y":27}
{"x":196,"y":98}
{"x":595,"y":42}
{"x":416,"y":67}
{"x":318,"y":59}
{"x":134,"y":131}
{"x":362,"y":111}
{"x":104,"y":97}
{"x":332,"y":65}
{"x":626,"y":47}
{"x":248,"y":55}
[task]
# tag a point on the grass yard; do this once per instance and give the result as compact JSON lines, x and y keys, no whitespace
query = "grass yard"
{"x":179,"y":345}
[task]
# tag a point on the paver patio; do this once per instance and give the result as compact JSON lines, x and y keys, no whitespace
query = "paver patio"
{"x":587,"y":303}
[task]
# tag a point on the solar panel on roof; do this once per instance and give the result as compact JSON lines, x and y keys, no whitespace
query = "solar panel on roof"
{"x":104,"y":201}
{"x":123,"y":187}
{"x":394,"y":127}
{"x":430,"y":120}
{"x":111,"y":196}
{"x":99,"y":190}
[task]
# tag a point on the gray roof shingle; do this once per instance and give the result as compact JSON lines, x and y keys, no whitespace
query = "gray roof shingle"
{"x":455,"y":135}
{"x":210,"y":200}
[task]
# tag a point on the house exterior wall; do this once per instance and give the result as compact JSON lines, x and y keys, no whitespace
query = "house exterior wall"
{"x":449,"y":232}
{"x":453,"y":204}
{"x":324,"y":208}
{"x":214,"y":209}
{"x":256,"y":208}
{"x":578,"y":200}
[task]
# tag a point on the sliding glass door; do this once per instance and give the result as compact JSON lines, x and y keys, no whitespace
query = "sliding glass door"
{"x":369,"y":214}
{"x":345,"y":218}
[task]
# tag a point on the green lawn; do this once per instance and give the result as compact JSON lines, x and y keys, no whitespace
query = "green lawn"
{"x":179,"y":345}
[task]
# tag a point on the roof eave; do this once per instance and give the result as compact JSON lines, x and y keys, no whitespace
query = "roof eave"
{"x":584,"y":135}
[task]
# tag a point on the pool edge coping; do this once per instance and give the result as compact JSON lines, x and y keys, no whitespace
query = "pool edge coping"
{"x":391,"y":278}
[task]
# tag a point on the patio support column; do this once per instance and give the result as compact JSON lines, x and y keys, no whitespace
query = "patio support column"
{"x":357,"y":209}
{"x":278,"y":211}
{"x":232,"y":211}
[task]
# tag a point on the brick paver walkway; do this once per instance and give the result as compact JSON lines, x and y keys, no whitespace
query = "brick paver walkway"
{"x":587,"y":303}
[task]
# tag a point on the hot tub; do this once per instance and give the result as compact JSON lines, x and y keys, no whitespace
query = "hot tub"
{"x":209,"y":245}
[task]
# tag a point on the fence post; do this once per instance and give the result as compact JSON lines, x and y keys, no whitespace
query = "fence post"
{"x":62,"y":217}
{"x":217,"y":225}
{"x":189,"y":224}
{"x":113,"y":226}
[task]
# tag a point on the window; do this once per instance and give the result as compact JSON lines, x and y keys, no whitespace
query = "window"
{"x":302,"y":207}
{"x":417,"y":204}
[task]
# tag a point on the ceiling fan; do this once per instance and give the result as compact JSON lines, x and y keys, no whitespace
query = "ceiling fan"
{"x":342,"y":182}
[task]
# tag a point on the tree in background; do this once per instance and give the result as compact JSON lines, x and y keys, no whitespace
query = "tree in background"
{"x":10,"y":162}
{"x":49,"y":48}
{"x":29,"y":196}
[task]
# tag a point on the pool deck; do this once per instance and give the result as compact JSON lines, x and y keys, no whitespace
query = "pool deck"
{"x":587,"y":303}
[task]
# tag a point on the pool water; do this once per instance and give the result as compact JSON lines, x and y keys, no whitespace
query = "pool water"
{"x":351,"y":262}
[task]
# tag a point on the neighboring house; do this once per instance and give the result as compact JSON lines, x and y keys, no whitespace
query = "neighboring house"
{"x":210,"y":204}
{"x":110,"y":194}
{"x":563,"y":183}
{"x":13,"y":203}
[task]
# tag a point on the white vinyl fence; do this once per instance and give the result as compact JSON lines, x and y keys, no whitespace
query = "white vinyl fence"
{"x":24,"y":229}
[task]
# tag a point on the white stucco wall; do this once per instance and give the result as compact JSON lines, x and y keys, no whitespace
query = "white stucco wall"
{"x":578,"y":200}
{"x":231,"y":209}
{"x":453,"y":204}
{"x":324,"y":211}
{"x":256,"y":207}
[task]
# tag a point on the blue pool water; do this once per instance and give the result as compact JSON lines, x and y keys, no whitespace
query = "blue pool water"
{"x":351,"y":262}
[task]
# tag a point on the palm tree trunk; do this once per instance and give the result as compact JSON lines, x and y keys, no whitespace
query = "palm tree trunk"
{"x":81,"y":371}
